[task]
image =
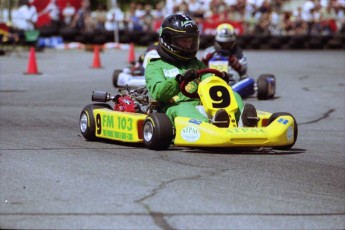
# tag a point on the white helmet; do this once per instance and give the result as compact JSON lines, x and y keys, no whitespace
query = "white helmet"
{"x":225,"y":37}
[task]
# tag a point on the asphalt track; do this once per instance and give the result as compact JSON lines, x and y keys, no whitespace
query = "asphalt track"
{"x":51,"y":178}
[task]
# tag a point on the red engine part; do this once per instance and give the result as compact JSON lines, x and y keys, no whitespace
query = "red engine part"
{"x":125,"y":104}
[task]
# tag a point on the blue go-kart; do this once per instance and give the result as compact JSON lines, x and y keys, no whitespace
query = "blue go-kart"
{"x":264,"y":87}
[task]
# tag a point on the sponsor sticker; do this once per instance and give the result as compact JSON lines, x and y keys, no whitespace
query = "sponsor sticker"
{"x":190,"y":134}
{"x":171,"y":72}
{"x":219,"y":65}
{"x":193,"y":121}
{"x":283,"y":121}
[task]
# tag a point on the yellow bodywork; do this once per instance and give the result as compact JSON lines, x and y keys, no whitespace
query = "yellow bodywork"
{"x":128,"y":127}
{"x":201,"y":134}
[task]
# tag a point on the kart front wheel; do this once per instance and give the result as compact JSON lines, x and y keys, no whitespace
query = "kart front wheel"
{"x":87,"y":121}
{"x":266,"y":85}
{"x":157,"y":131}
{"x":116,"y":74}
{"x":295,"y":129}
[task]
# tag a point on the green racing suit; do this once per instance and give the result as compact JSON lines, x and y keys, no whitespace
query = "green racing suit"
{"x":163,"y":87}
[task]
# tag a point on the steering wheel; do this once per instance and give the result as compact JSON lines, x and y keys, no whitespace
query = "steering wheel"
{"x":200,"y":73}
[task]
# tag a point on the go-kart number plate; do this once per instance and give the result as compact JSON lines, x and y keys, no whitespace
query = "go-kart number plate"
{"x":219,"y":65}
{"x":219,"y":96}
{"x":216,"y":94}
{"x":117,"y":127}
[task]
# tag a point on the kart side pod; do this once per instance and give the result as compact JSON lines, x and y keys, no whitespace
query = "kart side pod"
{"x":280,"y":133}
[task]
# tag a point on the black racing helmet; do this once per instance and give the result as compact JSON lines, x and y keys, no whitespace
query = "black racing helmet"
{"x":179,"y":38}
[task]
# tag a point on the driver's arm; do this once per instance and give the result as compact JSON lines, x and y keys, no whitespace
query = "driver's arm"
{"x":160,"y":87}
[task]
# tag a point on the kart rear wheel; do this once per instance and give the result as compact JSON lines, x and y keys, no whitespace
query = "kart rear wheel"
{"x":295,"y":129}
{"x":157,"y":131}
{"x":87,"y":121}
{"x":266,"y":85}
{"x":116,"y":74}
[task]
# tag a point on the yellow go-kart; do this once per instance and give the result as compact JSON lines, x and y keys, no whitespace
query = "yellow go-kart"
{"x":136,"y":118}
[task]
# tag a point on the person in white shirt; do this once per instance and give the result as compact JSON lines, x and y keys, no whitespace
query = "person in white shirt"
{"x":68,"y":13}
{"x":25,"y":17}
{"x":114,"y":19}
{"x":54,"y":12}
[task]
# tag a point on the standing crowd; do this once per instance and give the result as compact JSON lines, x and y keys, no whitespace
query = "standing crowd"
{"x":257,"y":17}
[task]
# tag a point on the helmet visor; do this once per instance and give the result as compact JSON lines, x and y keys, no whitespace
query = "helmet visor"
{"x":186,"y":42}
{"x":226,"y":45}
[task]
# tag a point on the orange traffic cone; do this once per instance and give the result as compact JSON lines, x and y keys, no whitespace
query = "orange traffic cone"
{"x":131,"y":54}
{"x":96,"y":58}
{"x":32,"y":65}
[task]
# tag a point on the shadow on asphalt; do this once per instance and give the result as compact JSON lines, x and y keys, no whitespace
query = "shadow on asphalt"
{"x":234,"y":151}
{"x":246,"y":151}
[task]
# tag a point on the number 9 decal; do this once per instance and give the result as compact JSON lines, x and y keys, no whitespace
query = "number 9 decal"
{"x":98,"y":123}
{"x":220,"y":95}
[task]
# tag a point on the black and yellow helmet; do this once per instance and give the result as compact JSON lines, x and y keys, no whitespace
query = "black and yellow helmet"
{"x":179,"y":37}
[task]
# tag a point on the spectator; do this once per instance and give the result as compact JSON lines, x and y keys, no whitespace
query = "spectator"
{"x":114,"y":19}
{"x":307,"y":14}
{"x":216,"y":12}
{"x":171,"y":5}
{"x":81,"y":18}
{"x":68,"y":13}
{"x":4,"y":15}
{"x":158,"y":15}
{"x":139,"y":10}
{"x":249,"y":18}
{"x":328,"y":16}
{"x":233,"y":14}
{"x":25,"y":17}
{"x":288,"y":24}
{"x":54,"y":14}
{"x":274,"y":27}
{"x":263,"y":24}
{"x":231,"y":2}
{"x":131,"y":20}
{"x":299,"y":25}
{"x":265,"y":7}
{"x":90,"y":23}
{"x":148,"y":18}
{"x":340,"y":19}
{"x":159,"y":12}
{"x":183,"y":9}
{"x":205,"y":5}
{"x":316,"y":27}
{"x":100,"y":17}
{"x":195,"y":9}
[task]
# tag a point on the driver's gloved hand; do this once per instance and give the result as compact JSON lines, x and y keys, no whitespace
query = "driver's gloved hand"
{"x":234,"y":63}
{"x":188,"y":75}
{"x":206,"y":59}
{"x":226,"y":76}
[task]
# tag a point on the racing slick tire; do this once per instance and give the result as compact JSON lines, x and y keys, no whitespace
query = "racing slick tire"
{"x":295,"y":129}
{"x":116,"y":74}
{"x":157,"y":131}
{"x":266,"y":85}
{"x":87,"y":121}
